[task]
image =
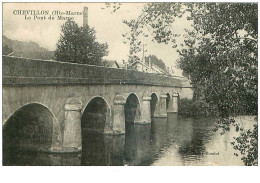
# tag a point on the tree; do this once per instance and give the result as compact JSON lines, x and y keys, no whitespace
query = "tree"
{"x":220,"y":59}
{"x":79,"y":45}
{"x":219,"y":55}
{"x":156,"y":61}
{"x":155,"y":21}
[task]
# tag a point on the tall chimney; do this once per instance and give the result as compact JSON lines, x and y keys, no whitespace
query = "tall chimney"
{"x":150,"y":65}
{"x":85,"y":17}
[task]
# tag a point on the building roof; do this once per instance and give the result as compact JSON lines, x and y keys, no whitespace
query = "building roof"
{"x":111,"y":63}
{"x":153,"y":65}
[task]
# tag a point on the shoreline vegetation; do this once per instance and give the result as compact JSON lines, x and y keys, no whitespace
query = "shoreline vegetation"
{"x":245,"y":123}
{"x":196,"y":108}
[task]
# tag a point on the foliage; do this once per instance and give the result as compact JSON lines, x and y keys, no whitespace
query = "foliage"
{"x":219,"y":59}
{"x":219,"y":54}
{"x":133,"y":58}
{"x":247,"y":144}
{"x":79,"y":45}
{"x":156,"y":61}
{"x":25,"y":49}
{"x":114,"y":6}
{"x":196,"y":108}
{"x":155,"y":20}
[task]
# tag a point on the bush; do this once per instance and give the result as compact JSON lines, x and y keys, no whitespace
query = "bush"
{"x":247,"y":144}
{"x":196,"y":108}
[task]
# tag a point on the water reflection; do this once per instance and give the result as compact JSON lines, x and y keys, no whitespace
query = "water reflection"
{"x":33,"y":158}
{"x":173,"y":141}
{"x":102,"y":150}
{"x":137,"y":145}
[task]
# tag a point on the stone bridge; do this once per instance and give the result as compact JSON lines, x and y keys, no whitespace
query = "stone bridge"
{"x":47,"y":104}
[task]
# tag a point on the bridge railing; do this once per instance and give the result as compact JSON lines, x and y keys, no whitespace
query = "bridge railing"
{"x":24,"y":71}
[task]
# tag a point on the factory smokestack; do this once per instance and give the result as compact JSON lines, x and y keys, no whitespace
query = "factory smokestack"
{"x":85,"y":17}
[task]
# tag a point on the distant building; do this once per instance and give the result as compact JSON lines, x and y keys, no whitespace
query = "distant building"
{"x":112,"y":64}
{"x":151,"y":68}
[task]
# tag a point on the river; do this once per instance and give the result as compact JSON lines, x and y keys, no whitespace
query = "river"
{"x":177,"y":140}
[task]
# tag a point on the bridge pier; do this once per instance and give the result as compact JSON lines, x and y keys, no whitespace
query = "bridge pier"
{"x":72,"y":140}
{"x":24,"y":82}
{"x":119,"y":115}
{"x":56,"y":138}
{"x":145,"y":111}
{"x":173,"y":108}
{"x":162,"y":107}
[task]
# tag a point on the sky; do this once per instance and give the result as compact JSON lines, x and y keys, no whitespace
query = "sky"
{"x":109,"y":27}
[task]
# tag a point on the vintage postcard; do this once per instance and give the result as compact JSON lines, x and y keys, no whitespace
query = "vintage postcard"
{"x":129,"y":84}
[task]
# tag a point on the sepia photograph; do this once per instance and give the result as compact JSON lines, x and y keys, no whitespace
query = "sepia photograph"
{"x":130,"y":84}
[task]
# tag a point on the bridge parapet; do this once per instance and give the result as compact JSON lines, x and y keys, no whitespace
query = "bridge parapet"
{"x":24,"y":71}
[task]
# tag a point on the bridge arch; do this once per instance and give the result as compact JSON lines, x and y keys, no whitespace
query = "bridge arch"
{"x":154,"y":104}
{"x":168,"y":101}
{"x":33,"y":126}
{"x":132,"y":109}
{"x":96,"y":115}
